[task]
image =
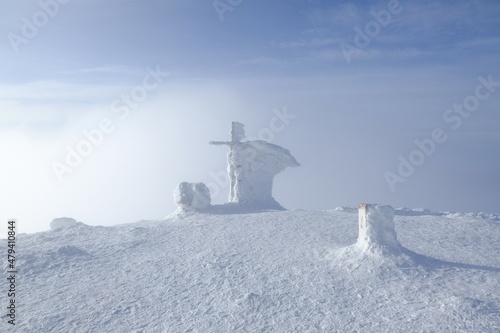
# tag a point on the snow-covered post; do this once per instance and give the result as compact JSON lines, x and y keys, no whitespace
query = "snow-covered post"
{"x":376,"y":229}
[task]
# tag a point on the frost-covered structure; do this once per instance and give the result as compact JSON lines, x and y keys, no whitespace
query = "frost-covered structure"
{"x":62,"y":222}
{"x":377,"y":231}
{"x":191,"y":197}
{"x":252,"y":166}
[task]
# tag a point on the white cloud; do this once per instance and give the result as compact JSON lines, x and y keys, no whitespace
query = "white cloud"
{"x":263,"y":61}
{"x":108,"y":69}
{"x":57,"y":92}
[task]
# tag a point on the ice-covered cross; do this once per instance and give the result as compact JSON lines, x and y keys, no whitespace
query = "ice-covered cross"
{"x":237,"y":135}
{"x":252,"y":166}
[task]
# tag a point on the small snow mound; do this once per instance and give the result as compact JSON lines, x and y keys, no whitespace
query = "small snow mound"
{"x":377,"y":231}
{"x":488,"y":216}
{"x":63,"y":222}
{"x":346,"y":209}
{"x":404,"y":211}
{"x":192,"y":197}
{"x":481,"y":215}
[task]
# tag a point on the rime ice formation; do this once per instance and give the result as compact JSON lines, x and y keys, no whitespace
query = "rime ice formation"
{"x":237,"y":132}
{"x":62,"y":222}
{"x":377,"y":230}
{"x":192,"y":196}
{"x":252,"y":166}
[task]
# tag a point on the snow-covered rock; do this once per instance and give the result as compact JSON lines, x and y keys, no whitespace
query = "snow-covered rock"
{"x":377,"y":231}
{"x":62,"y":222}
{"x":192,"y":196}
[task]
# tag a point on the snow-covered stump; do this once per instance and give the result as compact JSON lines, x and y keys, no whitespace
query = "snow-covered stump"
{"x":377,"y":231}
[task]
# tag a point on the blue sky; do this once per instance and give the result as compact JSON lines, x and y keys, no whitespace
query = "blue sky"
{"x":353,"y":117}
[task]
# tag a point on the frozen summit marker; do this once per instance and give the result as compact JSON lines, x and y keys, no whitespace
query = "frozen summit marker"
{"x":237,"y":135}
{"x":377,"y":231}
{"x":252,"y":166}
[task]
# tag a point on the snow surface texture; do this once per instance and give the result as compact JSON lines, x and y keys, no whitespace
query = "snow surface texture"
{"x":62,"y":222}
{"x":191,"y":197}
{"x":285,"y":271}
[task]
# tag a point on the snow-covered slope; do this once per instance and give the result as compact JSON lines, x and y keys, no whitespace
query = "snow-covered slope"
{"x":290,"y":271}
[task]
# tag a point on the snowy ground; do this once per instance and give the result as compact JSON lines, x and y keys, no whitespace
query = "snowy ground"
{"x":288,"y":271}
